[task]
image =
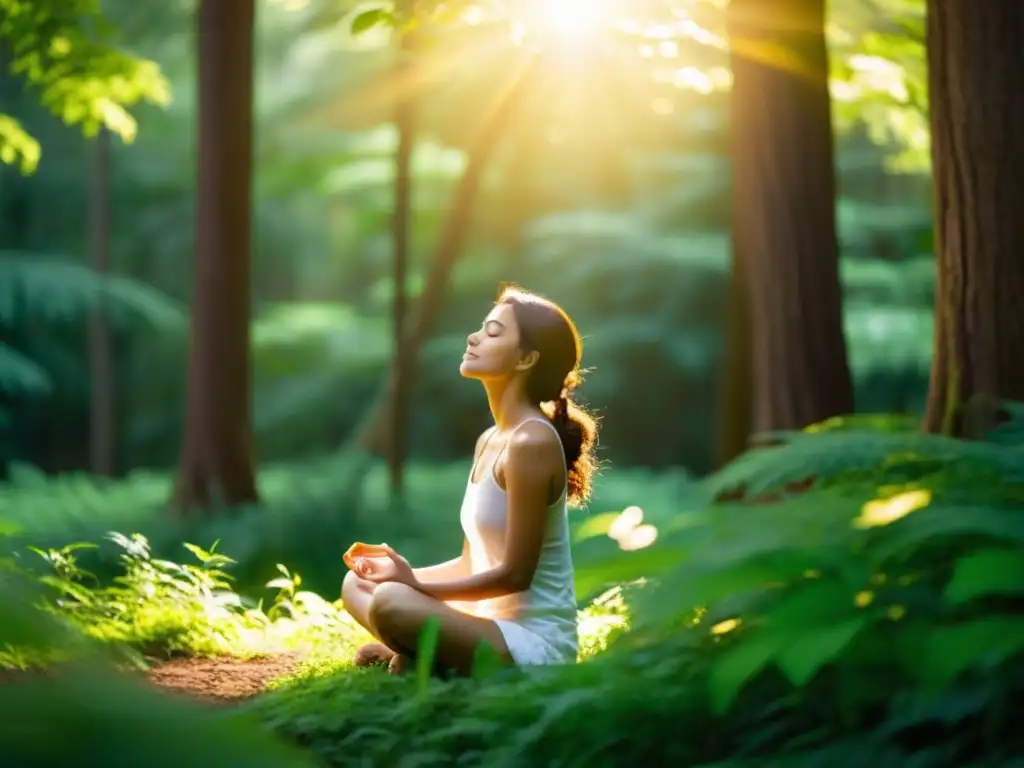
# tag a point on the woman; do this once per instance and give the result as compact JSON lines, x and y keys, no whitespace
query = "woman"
{"x":512,"y":588}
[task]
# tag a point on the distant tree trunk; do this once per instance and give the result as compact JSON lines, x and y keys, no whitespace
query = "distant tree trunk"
{"x":784,"y":222}
{"x":735,"y":405}
{"x":217,"y":464}
{"x":401,"y":237}
{"x":374,"y":434}
{"x":101,"y":363}
{"x":977,"y":119}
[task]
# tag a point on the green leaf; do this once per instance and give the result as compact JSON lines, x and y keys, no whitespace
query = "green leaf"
{"x":426,"y":652}
{"x":801,"y":659}
{"x":940,"y":522}
{"x":367,"y":20}
{"x":739,"y":664}
{"x":688,"y":589}
{"x":160,"y":731}
{"x":986,"y":572}
{"x":988,"y":641}
{"x":24,"y":626}
{"x":625,"y":566}
{"x":806,"y":607}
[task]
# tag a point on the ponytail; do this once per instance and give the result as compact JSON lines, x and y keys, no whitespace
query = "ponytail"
{"x":578,"y":432}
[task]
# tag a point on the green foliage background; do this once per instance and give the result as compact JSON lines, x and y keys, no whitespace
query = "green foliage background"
{"x":636,"y":247}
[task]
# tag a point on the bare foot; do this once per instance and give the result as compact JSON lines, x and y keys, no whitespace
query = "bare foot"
{"x":373,"y":655}
{"x":400,"y":664}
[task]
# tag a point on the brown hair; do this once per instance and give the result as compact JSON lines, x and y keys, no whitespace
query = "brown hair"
{"x":545,"y":327}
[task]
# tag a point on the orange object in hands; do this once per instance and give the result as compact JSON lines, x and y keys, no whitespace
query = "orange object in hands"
{"x":362,"y":550}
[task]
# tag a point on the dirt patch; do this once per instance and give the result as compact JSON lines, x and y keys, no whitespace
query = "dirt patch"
{"x":222,"y":680}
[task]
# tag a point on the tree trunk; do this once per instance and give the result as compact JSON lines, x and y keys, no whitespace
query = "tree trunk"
{"x":401,"y":237}
{"x":784,"y":223}
{"x":977,"y":119}
{"x":101,"y":363}
{"x":734,"y":414}
{"x":217,"y":464}
{"x":374,"y":434}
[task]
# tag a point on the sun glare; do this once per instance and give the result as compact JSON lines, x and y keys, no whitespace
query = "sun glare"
{"x":566,"y":18}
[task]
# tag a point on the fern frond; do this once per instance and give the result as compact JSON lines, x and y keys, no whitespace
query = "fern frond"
{"x":804,"y":457}
{"x":58,"y":289}
{"x":21,"y":376}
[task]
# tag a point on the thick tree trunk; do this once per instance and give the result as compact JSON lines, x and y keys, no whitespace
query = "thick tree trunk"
{"x":977,"y":119}
{"x":401,"y":237}
{"x":784,"y":223}
{"x":217,"y":464}
{"x":101,"y":363}
{"x":374,"y":434}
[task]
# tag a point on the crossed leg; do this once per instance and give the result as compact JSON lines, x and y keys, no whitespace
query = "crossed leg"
{"x":395,"y":613}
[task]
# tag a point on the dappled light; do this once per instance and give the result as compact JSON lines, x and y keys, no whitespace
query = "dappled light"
{"x":886,"y":511}
{"x":630,"y":532}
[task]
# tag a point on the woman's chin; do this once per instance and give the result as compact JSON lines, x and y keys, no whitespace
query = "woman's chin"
{"x":467,"y":371}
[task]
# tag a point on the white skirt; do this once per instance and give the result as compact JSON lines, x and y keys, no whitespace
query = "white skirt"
{"x":525,"y":646}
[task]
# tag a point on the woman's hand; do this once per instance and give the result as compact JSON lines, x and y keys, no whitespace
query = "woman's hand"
{"x":397,"y":569}
{"x":374,"y":569}
{"x":379,"y":563}
{"x":361,"y":550}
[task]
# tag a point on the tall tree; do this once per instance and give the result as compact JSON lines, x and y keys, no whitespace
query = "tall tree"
{"x":736,"y":396}
{"x":784,"y":224}
{"x":405,"y":125}
{"x":374,"y":434}
{"x":977,"y":119}
{"x":101,"y":358}
{"x":217,"y":464}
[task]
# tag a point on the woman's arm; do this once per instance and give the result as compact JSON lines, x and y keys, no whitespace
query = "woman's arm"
{"x":532,"y":452}
{"x":449,"y":570}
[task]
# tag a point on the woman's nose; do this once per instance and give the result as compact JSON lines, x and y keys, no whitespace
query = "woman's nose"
{"x":472,"y":340}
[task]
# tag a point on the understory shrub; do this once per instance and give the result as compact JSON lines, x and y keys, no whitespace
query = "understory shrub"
{"x":851,"y":596}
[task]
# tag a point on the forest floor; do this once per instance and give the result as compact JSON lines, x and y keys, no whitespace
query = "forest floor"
{"x":223,"y":680}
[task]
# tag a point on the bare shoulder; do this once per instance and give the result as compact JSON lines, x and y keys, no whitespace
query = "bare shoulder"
{"x":537,"y":446}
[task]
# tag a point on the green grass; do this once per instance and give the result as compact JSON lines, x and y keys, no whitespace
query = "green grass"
{"x":161,"y":608}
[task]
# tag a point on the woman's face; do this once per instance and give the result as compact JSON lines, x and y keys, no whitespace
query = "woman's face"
{"x":494,"y":351}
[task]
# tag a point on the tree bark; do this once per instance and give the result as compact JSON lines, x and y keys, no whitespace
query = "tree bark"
{"x":401,"y":237}
{"x":101,"y":363}
{"x":977,"y":120}
{"x":373,"y":436}
{"x":217,"y":464}
{"x":735,"y":408}
{"x":784,"y":222}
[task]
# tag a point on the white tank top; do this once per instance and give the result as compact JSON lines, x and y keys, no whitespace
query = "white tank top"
{"x":548,"y":607}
